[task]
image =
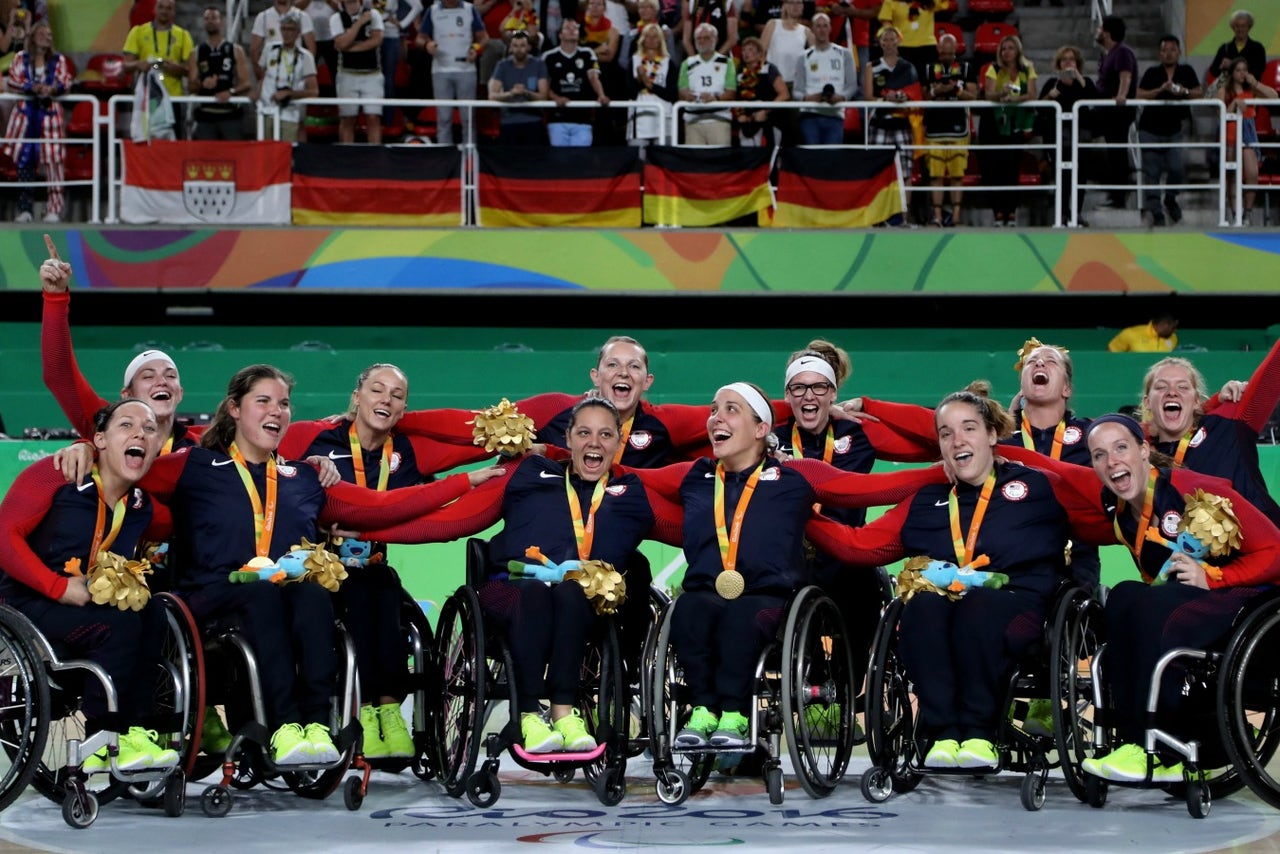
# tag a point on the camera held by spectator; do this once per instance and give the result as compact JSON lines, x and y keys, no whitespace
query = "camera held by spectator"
{"x":829,"y":94}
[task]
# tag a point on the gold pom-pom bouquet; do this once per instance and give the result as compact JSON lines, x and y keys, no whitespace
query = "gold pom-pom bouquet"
{"x":113,"y":580}
{"x":1209,"y":529}
{"x":503,"y":429}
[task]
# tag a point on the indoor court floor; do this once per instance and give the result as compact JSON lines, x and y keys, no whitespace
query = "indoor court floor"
{"x":535,"y":813}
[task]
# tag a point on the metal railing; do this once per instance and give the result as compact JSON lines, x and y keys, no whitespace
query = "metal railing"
{"x":1062,"y":151}
{"x":68,"y":104}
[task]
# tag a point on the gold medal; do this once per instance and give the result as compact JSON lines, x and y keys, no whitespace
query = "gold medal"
{"x":729,"y":584}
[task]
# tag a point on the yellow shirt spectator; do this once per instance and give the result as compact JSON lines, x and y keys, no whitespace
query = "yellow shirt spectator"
{"x":172,"y":45}
{"x":914,"y":20}
{"x":1160,"y":335}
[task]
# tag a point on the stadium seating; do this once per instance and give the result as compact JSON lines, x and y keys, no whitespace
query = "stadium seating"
{"x":105,"y":75}
{"x":987,"y":36}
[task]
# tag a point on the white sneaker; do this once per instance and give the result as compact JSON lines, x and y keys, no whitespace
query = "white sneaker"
{"x":52,"y":218}
{"x":25,"y":216}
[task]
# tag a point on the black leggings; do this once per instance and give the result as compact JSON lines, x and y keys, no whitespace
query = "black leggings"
{"x":718,"y":642}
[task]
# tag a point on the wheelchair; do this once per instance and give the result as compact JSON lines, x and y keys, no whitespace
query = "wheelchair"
{"x":1056,"y":669}
{"x":233,"y":666}
{"x":1234,"y":693}
{"x":423,"y":684}
{"x":57,"y":773}
{"x":474,"y":666}
{"x":808,"y":661}
{"x":24,"y":705}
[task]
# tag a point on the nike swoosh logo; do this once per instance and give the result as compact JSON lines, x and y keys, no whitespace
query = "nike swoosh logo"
{"x":942,"y":503}
{"x":547,"y":474}
{"x":709,"y":474}
{"x":335,"y":456}
{"x":223,"y":462}
{"x":83,"y":486}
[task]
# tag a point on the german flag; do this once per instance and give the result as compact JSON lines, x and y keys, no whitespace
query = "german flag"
{"x":836,"y":188}
{"x":521,"y":185}
{"x":704,"y":186}
{"x":373,"y":185}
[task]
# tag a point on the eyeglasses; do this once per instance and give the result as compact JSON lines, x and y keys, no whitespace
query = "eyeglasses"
{"x":818,"y":389}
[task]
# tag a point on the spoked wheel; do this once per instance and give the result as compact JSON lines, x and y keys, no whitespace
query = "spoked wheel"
{"x":602,"y":702}
{"x":424,"y":676}
{"x":1248,"y":703}
{"x":180,"y":684}
{"x":670,"y":706}
{"x":24,"y":705}
{"x":461,"y":661}
{"x":642,"y":698}
{"x":1077,"y":636}
{"x":890,"y":710}
{"x":818,"y":692}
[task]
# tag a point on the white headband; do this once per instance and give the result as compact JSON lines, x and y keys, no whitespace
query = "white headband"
{"x":141,"y":359}
{"x":817,"y":364}
{"x":754,"y":399}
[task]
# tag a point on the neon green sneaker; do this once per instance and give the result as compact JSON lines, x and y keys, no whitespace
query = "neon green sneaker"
{"x":538,"y":736}
{"x":977,"y":753}
{"x":822,"y":721}
{"x":289,"y":746}
{"x":147,"y":741}
{"x":1167,"y":773}
{"x":699,"y":728}
{"x":1127,"y":763}
{"x":395,"y":734}
{"x":943,"y":754}
{"x":135,"y":751}
{"x":322,"y":747}
{"x":574,"y":732}
{"x":214,"y":737}
{"x":1039,"y":720}
{"x":734,"y":730}
{"x":96,"y":763}
{"x":373,"y":746}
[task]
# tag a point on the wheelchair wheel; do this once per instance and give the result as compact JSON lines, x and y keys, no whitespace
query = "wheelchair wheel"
{"x":180,"y":686}
{"x":1248,"y":703}
{"x":890,"y":706}
{"x":602,"y":704}
{"x":818,"y":692}
{"x":24,"y":705}
{"x":321,"y":783}
{"x":642,"y":688}
{"x":460,"y":661}
{"x":424,"y":682}
{"x":679,"y":775}
{"x":1077,"y":635}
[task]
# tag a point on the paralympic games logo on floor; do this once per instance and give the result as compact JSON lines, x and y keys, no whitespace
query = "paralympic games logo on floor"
{"x":647,"y":825}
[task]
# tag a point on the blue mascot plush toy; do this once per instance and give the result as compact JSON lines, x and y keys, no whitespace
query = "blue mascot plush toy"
{"x":1188,"y":544}
{"x":550,"y":572}
{"x":292,"y":565}
{"x":947,"y":576}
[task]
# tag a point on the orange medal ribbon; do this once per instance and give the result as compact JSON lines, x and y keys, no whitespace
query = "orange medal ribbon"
{"x":357,"y":460}
{"x":264,"y":515}
{"x":964,"y":548}
{"x":584,"y":533}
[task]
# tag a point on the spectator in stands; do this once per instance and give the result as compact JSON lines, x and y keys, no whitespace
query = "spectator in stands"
{"x":1010,"y":82}
{"x":574,"y":75}
{"x":401,"y":15}
{"x":949,"y":79}
{"x":266,"y":31}
{"x":1067,"y":85}
{"x":320,"y":12}
{"x":1158,"y":335}
{"x":1239,"y":87}
{"x":863,"y":16}
{"x":758,"y":80}
{"x":41,"y":75}
{"x":721,"y":14}
{"x":1170,"y":80}
{"x":357,"y":37}
{"x":647,"y":12}
{"x":523,"y":18}
{"x":289,"y":75}
{"x":785,"y":39}
{"x":1239,"y":45}
{"x":161,"y":45}
{"x":603,"y":36}
{"x":219,"y":69}
{"x":891,"y":79}
{"x":1118,"y":80}
{"x":518,"y":78}
{"x":16,"y":18}
{"x":914,"y":20}
{"x":827,"y":74}
{"x":707,"y":77}
{"x":653,"y":78}
{"x":453,"y":33}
